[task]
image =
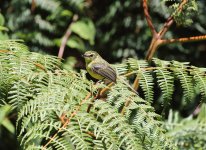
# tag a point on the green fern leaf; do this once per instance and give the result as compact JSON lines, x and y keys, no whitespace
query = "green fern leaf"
{"x":185,"y":80}
{"x":165,"y":80}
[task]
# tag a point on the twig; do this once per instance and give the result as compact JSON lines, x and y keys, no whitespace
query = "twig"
{"x":93,"y":99}
{"x":136,"y":83}
{"x":66,"y":36}
{"x":148,"y":18}
{"x":166,"y":26}
{"x":6,"y":51}
{"x":33,"y":5}
{"x":183,"y":40}
{"x":197,"y":110}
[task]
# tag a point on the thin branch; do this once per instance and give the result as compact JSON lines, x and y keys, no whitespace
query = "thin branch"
{"x":148,"y":18}
{"x":6,"y":51}
{"x":166,"y":26}
{"x":66,"y":36}
{"x":36,"y":64}
{"x":184,"y":40}
{"x":33,"y":5}
{"x":92,"y":101}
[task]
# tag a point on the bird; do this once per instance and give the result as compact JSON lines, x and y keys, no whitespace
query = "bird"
{"x":100,"y":69}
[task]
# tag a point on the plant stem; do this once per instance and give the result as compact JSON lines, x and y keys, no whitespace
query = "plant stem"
{"x":66,"y":36}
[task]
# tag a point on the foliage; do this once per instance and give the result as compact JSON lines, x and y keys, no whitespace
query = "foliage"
{"x":189,"y":10}
{"x":123,"y":30}
{"x":42,"y":24}
{"x":187,"y":133}
{"x":3,"y":35}
{"x":42,"y":95}
{"x":52,"y":103}
{"x":54,"y":106}
{"x":5,"y":122}
{"x":165,"y":73}
{"x":120,"y":25}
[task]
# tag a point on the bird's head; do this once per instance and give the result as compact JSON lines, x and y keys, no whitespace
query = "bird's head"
{"x":90,"y":56}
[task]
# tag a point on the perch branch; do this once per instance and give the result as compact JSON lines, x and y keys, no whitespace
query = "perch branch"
{"x":106,"y":88}
{"x":40,"y":66}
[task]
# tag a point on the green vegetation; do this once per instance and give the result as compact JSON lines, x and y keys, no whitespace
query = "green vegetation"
{"x":47,"y":103}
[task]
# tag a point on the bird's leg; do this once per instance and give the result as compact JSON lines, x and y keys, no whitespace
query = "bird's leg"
{"x":106,"y":88}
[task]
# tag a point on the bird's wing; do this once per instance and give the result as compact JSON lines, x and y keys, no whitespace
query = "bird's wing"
{"x":104,"y":70}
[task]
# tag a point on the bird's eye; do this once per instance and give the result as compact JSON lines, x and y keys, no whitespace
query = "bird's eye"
{"x":91,"y":55}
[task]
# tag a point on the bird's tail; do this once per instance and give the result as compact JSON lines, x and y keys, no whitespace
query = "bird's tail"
{"x":128,"y":85}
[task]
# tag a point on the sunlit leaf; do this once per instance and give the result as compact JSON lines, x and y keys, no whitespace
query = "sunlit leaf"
{"x":85,"y":29}
{"x":75,"y":42}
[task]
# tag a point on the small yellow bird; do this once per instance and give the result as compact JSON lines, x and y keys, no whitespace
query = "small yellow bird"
{"x":100,"y":69}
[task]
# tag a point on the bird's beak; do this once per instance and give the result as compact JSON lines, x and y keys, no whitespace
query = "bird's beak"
{"x":84,"y":55}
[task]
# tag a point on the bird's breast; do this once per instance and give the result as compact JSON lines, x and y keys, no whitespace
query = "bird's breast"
{"x":93,"y":74}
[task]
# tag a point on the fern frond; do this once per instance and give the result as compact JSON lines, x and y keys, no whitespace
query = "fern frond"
{"x":76,"y":132}
{"x":188,"y":133}
{"x":52,"y":103}
{"x":103,"y":135}
{"x":43,"y":24}
{"x":146,"y":83}
{"x":200,"y":82}
{"x":145,"y":78}
{"x":115,"y":121}
{"x":13,"y":45}
{"x":185,"y":80}
{"x":165,"y":80}
{"x":139,"y":113}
